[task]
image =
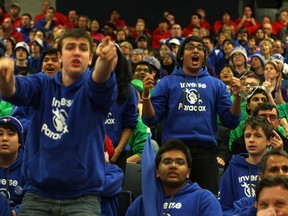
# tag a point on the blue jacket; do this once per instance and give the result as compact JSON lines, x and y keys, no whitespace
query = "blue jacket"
{"x":189,"y":106}
{"x":12,"y":181}
{"x":191,"y":199}
{"x":239,"y":180}
{"x":64,"y":158}
{"x":112,"y":187}
{"x":4,"y":206}
{"x":122,"y":116}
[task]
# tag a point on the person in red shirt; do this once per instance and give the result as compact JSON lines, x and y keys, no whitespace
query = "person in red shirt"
{"x":72,"y":19}
{"x":10,"y":31}
{"x":247,"y":20}
{"x":196,"y":21}
{"x":161,"y":33}
{"x":281,"y":22}
{"x":204,"y":23}
{"x":115,"y":19}
{"x":15,"y":14}
{"x":3,"y":13}
{"x":225,"y":20}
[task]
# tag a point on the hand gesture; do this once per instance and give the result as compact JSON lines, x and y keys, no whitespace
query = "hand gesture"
{"x":6,"y":69}
{"x":106,"y":50}
{"x":236,"y":85}
{"x":267,"y":84}
{"x":148,"y":83}
{"x":276,"y":142}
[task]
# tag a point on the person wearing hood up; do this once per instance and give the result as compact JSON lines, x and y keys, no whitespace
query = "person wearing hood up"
{"x":189,"y":100}
{"x":240,"y":177}
{"x":11,"y":162}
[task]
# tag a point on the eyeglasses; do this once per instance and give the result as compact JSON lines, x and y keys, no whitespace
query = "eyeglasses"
{"x":124,"y":47}
{"x":177,"y":161}
{"x":254,"y":89}
{"x":192,"y":47}
{"x":250,"y":84}
{"x":271,"y":117}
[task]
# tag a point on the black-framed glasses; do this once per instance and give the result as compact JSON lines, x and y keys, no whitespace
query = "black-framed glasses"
{"x":192,"y":47}
{"x":177,"y":161}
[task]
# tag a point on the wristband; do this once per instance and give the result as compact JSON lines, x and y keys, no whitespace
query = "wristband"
{"x":145,"y":98}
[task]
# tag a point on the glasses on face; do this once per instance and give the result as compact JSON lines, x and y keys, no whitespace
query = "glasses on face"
{"x":124,"y":47}
{"x":271,"y":116}
{"x":253,"y":90}
{"x":146,"y":70}
{"x":249,"y":84}
{"x":177,"y":161}
{"x":192,"y":47}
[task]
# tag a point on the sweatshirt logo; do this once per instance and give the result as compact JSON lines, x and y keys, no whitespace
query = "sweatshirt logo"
{"x":110,"y":119}
{"x":59,"y":119}
{"x":249,"y":188}
{"x":192,"y":100}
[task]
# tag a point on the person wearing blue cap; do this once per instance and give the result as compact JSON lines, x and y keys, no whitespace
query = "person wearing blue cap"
{"x":11,"y":161}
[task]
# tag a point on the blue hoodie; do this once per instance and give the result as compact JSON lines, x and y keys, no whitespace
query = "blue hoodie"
{"x":64,"y":158}
{"x":191,"y":199}
{"x":112,"y":187}
{"x":245,"y":206}
{"x":122,"y":116}
{"x":4,"y":206}
{"x":14,"y":175}
{"x":239,"y":180}
{"x":189,"y":106}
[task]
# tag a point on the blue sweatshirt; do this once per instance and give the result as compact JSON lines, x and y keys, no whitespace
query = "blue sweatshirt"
{"x":112,"y":188}
{"x":191,"y":199}
{"x":12,"y":181}
{"x":4,"y":206}
{"x":122,"y":116}
{"x":189,"y":106}
{"x":244,"y":206}
{"x":239,"y":180}
{"x":64,"y":158}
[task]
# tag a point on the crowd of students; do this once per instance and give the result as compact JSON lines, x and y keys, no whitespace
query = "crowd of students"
{"x":77,"y":100}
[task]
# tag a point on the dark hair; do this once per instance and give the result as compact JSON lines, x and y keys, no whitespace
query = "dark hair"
{"x":142,"y":63}
{"x":75,"y":33}
{"x":123,"y":77}
{"x":27,"y":14}
{"x":173,"y":144}
{"x":256,"y":121}
{"x":264,"y":106}
{"x":271,"y":181}
{"x":268,"y":154}
{"x":49,"y":51}
{"x":182,"y":47}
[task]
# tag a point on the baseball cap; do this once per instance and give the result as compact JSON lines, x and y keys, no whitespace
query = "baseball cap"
{"x":10,"y":120}
{"x":153,"y":61}
{"x":174,"y":41}
{"x":253,"y":91}
{"x":39,"y":42}
{"x":15,"y":4}
{"x":142,"y":36}
{"x":23,"y":45}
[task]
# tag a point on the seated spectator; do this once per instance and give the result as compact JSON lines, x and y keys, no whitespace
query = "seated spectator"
{"x":225,"y":19}
{"x":173,"y":166}
{"x":161,"y":33}
{"x":115,"y":18}
{"x":273,"y":163}
{"x":241,"y":175}
{"x":11,"y":162}
{"x":272,"y":196}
